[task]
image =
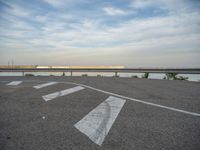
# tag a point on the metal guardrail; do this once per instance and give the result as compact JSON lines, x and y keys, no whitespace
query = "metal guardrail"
{"x":114,"y":70}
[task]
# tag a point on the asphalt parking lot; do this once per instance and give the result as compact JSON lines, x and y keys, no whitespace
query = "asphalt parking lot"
{"x":97,"y":113}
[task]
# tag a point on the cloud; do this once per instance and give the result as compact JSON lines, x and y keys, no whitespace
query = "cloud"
{"x":56,"y":3}
{"x":114,"y":11}
{"x":127,"y":40}
{"x":143,"y":3}
{"x":15,"y":10}
{"x":172,"y":6}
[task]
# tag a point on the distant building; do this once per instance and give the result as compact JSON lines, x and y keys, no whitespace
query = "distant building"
{"x":82,"y":67}
{"x":67,"y":67}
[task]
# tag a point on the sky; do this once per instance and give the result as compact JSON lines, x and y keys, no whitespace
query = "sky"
{"x":131,"y":33}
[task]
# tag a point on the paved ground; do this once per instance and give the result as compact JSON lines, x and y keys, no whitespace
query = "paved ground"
{"x":28,"y":122}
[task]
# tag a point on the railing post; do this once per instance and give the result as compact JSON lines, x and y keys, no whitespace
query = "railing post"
{"x":115,"y":74}
{"x":63,"y":73}
{"x":71,"y":73}
{"x":23,"y":74}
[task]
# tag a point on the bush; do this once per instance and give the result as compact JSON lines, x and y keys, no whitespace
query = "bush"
{"x":173,"y":76}
{"x":134,"y":76}
{"x":29,"y":75}
{"x":84,"y":75}
{"x":182,"y":78}
{"x":146,"y":75}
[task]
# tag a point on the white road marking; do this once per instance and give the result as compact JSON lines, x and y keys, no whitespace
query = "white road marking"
{"x":44,"y":85}
{"x":137,"y":100}
{"x":125,"y":97}
{"x":62,"y":93}
{"x":14,"y":83}
{"x":97,"y":123}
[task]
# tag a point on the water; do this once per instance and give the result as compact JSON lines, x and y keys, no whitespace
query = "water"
{"x":192,"y":77}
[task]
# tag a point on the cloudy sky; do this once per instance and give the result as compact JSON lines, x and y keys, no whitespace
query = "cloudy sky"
{"x":133,"y":33}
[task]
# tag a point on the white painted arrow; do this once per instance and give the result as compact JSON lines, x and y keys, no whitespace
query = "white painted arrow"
{"x":98,"y":122}
{"x":15,"y":83}
{"x":62,"y":93}
{"x":44,"y":85}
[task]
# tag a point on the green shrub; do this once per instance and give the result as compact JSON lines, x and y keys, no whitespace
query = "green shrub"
{"x":171,"y":76}
{"x":182,"y":78}
{"x":29,"y":75}
{"x":84,"y":75}
{"x":174,"y":76}
{"x":134,"y":76}
{"x":146,"y":75}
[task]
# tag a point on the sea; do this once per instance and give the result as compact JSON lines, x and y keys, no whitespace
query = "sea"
{"x":191,"y":77}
